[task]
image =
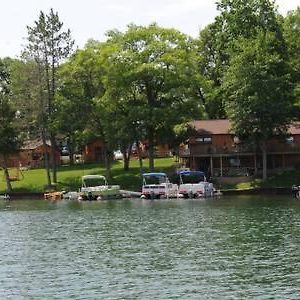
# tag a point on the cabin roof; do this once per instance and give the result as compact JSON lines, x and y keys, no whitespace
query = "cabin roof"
{"x":210,"y":127}
{"x":295,"y":128}
{"x":33,"y":144}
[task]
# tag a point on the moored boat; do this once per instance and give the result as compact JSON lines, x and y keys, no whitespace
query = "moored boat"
{"x":71,"y":195}
{"x":95,"y":187}
{"x":296,"y":191}
{"x":193,"y":184}
{"x":53,"y":196}
{"x":157,"y":185}
{"x":4,"y":197}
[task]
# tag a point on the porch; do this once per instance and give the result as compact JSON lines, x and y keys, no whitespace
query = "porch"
{"x":240,"y":164}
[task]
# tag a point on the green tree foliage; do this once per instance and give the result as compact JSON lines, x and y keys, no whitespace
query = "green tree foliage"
{"x":147,"y":83}
{"x":291,"y":30}
{"x":258,"y":90}
{"x":24,"y":95}
{"x":238,"y":19}
{"x":48,"y":45}
{"x":80,"y":82}
{"x":81,"y":88}
{"x":9,"y":138}
{"x":155,"y":72}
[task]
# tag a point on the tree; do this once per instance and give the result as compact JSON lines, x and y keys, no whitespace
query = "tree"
{"x":48,"y":45}
{"x":27,"y":97}
{"x":155,"y":70}
{"x":258,"y":90}
{"x":82,"y":83}
{"x":291,"y":32}
{"x":24,"y":95}
{"x":9,"y":139}
{"x":217,"y":42}
{"x":126,"y":129}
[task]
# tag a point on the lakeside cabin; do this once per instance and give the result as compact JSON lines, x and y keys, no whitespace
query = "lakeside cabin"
{"x":215,"y":150}
{"x":94,"y":151}
{"x":31,"y":155}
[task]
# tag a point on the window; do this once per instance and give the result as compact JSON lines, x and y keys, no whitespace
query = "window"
{"x":290,"y":140}
{"x":234,"y":162}
{"x":207,"y":140}
{"x":35,"y":156}
{"x":204,"y":140}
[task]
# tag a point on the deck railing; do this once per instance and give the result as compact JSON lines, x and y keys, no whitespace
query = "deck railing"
{"x":195,"y":150}
{"x":233,"y":171}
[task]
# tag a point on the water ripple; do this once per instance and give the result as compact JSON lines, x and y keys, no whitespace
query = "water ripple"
{"x":232,"y":248}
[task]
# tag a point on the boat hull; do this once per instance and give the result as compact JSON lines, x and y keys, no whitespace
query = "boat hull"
{"x":100,"y":193}
{"x":156,"y":191}
{"x":196,"y":190}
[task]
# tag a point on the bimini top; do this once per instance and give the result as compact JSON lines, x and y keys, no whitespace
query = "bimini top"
{"x":191,"y":173}
{"x":155,"y":174}
{"x":93,"y":177}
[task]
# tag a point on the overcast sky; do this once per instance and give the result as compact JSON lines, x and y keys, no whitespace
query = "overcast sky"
{"x":93,"y":18}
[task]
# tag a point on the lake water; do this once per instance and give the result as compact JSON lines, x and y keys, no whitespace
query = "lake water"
{"x":228,"y":248}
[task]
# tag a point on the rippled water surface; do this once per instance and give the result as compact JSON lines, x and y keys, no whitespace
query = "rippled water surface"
{"x":227,"y":248}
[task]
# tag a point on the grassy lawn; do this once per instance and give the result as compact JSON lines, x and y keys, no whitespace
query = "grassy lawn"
{"x":69,"y":177}
{"x":284,"y":180}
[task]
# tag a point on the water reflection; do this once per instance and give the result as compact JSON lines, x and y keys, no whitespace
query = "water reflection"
{"x":229,"y":248}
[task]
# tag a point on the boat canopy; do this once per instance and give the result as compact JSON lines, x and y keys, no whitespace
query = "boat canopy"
{"x":191,"y":177}
{"x":154,"y":174}
{"x":93,"y":180}
{"x":191,"y":173}
{"x":92,"y":177}
{"x":154,"y":178}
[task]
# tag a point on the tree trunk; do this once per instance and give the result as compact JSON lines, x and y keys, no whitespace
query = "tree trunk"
{"x":151,"y":149}
{"x":107,"y":160}
{"x":255,"y":165}
{"x":140,"y":157}
{"x":126,"y":163}
{"x":71,"y":156}
{"x":51,"y":108}
{"x":151,"y":103}
{"x":46,"y":158}
{"x":43,"y":124}
{"x":264,"y":159}
{"x":71,"y":151}
{"x":6,"y":175}
{"x":50,"y":97}
{"x":53,"y":158}
{"x":126,"y":157}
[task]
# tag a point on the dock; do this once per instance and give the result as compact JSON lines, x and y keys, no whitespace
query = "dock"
{"x":130,"y":194}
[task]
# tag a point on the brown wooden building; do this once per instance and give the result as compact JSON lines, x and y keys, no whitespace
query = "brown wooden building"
{"x":31,"y":155}
{"x":214,"y":150}
{"x":160,"y":150}
{"x":94,"y":151}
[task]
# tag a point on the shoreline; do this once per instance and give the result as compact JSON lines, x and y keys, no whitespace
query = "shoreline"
{"x":254,"y":191}
{"x":260,"y":191}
